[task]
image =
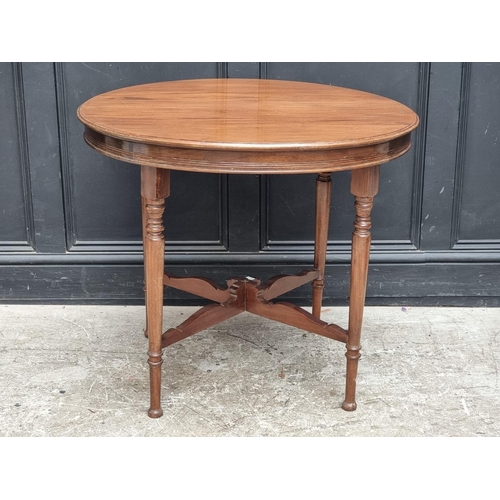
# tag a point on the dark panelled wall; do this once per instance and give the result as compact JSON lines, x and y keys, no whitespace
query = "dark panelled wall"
{"x":66,"y":236}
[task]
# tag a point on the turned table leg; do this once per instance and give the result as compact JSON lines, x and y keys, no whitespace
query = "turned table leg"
{"x":364,"y":186}
{"x":323,"y":200}
{"x":144,"y":220}
{"x":155,"y":187}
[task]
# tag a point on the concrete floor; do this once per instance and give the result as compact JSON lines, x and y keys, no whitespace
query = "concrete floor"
{"x":81,"y":371}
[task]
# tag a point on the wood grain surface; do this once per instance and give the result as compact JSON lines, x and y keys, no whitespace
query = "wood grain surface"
{"x":247,"y":126}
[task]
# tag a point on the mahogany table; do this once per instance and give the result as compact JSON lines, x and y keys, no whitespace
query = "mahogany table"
{"x":238,"y":126}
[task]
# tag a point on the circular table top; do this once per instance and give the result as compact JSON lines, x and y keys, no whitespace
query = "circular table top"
{"x":247,"y":126}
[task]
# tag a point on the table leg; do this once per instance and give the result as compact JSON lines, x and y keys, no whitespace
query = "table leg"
{"x":155,"y":187}
{"x":323,"y":200}
{"x":144,"y":220}
{"x":364,"y":186}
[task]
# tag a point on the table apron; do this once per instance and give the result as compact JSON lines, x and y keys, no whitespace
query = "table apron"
{"x":248,"y":161}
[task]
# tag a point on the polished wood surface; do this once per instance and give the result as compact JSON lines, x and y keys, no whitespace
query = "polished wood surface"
{"x":250,"y":126}
{"x":202,"y":287}
{"x":364,"y":186}
{"x":278,"y":285}
{"x":247,"y":294}
{"x":240,"y":114}
{"x":247,"y":126}
{"x":323,"y":200}
{"x":155,"y":187}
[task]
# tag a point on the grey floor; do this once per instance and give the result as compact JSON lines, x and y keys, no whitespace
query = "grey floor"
{"x":81,"y":371}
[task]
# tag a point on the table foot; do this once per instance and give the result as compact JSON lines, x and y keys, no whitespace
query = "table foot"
{"x":349,"y":406}
{"x":352,"y":354}
{"x":156,"y":413}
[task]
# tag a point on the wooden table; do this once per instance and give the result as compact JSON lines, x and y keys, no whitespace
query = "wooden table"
{"x":238,"y":126}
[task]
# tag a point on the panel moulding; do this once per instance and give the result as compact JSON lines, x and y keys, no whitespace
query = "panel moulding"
{"x":29,"y":244}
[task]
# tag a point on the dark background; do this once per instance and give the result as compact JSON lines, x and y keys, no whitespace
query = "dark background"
{"x":70,"y":224}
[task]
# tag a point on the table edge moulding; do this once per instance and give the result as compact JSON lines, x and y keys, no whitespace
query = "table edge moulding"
{"x":243,"y":126}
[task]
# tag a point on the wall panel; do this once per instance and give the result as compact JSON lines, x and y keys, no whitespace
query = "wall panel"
{"x":396,"y":214}
{"x":102,"y":199}
{"x":477,"y":209}
{"x":16,"y":210}
{"x":70,"y":224}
